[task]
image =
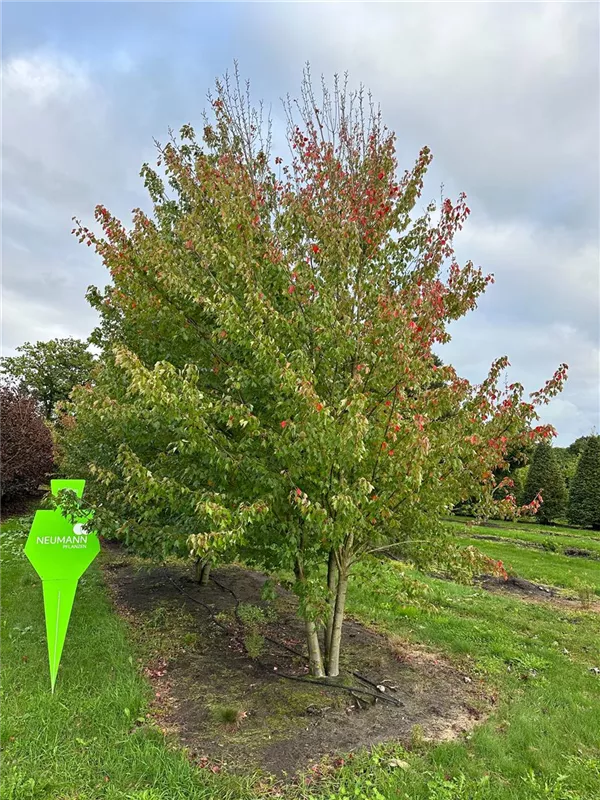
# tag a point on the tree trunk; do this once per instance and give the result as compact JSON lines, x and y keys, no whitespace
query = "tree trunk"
{"x":315,"y":660}
{"x":205,"y":574}
{"x":333,"y":658}
{"x":332,"y":582}
{"x":201,"y":571}
{"x":314,"y":650}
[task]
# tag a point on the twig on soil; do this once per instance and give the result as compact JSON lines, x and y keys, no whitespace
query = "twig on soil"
{"x":359,"y":701}
{"x":285,"y":647}
{"x":322,"y":682}
{"x":225,"y":589}
{"x":371,"y":683}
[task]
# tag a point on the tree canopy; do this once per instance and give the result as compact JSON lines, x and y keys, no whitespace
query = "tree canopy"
{"x":47,"y":371}
{"x":268,"y":385}
{"x":577,"y":447}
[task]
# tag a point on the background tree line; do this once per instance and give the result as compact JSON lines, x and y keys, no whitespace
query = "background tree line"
{"x":567,"y":477}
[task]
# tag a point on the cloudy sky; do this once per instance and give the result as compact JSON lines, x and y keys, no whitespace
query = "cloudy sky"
{"x":505,"y":94}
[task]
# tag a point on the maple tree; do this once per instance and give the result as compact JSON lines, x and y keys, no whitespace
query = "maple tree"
{"x":268,"y":386}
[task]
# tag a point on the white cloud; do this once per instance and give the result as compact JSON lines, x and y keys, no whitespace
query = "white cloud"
{"x":542,"y":274}
{"x":60,"y":154}
{"x":50,"y":104}
{"x":543,"y":310}
{"x":505,"y":94}
{"x":39,"y":80}
{"x":31,"y":319}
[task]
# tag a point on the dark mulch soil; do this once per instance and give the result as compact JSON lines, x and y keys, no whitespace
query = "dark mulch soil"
{"x":519,"y":586}
{"x":577,"y":551}
{"x":535,"y":592}
{"x":285,"y":725}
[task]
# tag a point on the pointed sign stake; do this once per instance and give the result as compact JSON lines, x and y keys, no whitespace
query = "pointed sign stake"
{"x":60,"y":552}
{"x":58,"y":602}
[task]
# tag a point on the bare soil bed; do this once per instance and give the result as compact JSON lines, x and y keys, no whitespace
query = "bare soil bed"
{"x":200,"y":667}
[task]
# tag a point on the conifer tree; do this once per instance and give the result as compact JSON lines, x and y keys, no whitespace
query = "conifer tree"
{"x":545,"y":477}
{"x":584,"y":497}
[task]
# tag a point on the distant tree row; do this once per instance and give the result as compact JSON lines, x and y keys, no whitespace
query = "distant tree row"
{"x":567,"y":478}
{"x":576,"y":497}
{"x":568,"y":458}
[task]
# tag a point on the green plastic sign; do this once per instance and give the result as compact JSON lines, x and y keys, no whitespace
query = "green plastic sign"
{"x":75,"y":486}
{"x":60,"y":552}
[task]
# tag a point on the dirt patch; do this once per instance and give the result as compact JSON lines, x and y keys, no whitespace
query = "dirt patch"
{"x":577,"y":551}
{"x":518,"y":586}
{"x":238,"y":713}
{"x":535,"y":592}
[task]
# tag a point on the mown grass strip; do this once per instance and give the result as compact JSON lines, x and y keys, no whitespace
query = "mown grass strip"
{"x":528,"y":525}
{"x":548,"y":539}
{"x":549,"y":568}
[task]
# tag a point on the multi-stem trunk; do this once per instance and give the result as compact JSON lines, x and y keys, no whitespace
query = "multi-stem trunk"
{"x":343,"y":560}
{"x":202,"y":571}
{"x":333,"y":654}
{"x":315,"y":659}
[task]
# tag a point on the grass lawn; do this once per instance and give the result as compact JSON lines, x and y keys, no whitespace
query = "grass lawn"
{"x":553,"y":539}
{"x":555,"y":569}
{"x":529,"y":524}
{"x":92,"y":740}
{"x":85,"y":742}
